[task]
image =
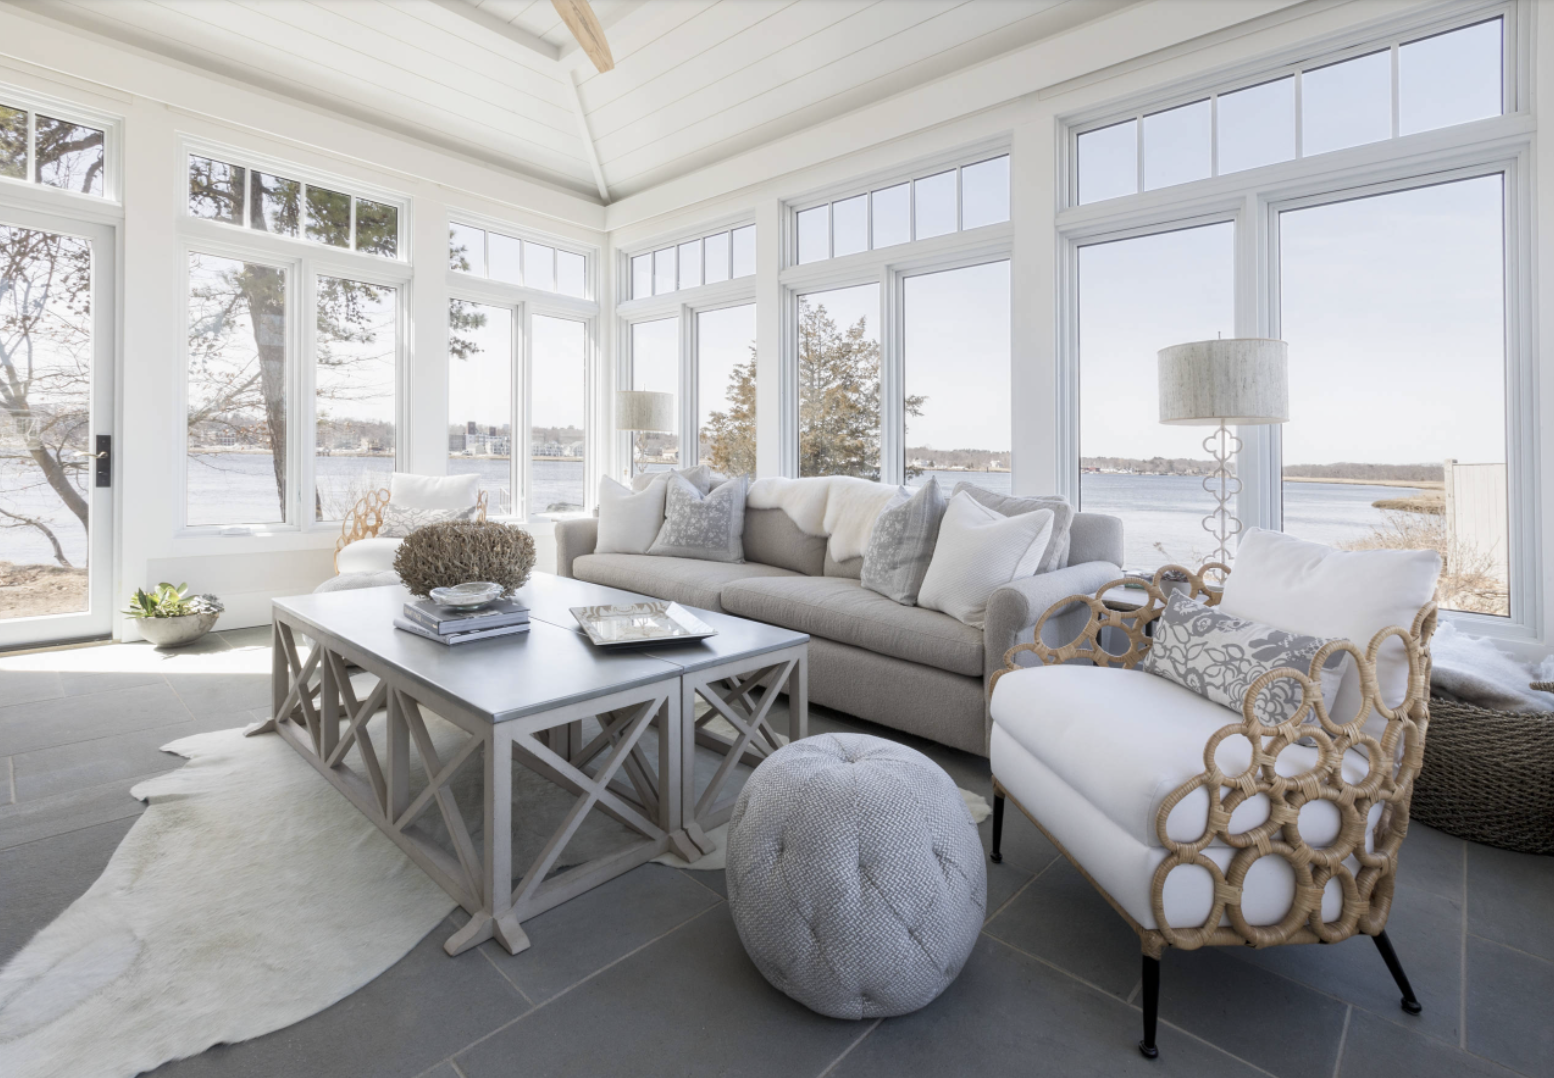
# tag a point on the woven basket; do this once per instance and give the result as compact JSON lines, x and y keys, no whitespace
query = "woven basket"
{"x":1488,"y":775}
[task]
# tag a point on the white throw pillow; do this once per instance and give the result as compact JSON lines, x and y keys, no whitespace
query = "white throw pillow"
{"x":1305,"y":587}
{"x":367,"y":556}
{"x":434,"y":491}
{"x":629,"y":520}
{"x":978,"y":551}
{"x":700,"y":476}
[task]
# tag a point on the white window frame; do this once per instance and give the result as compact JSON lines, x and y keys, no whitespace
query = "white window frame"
{"x":29,"y":193}
{"x":190,"y":146}
{"x":526,"y":304}
{"x":1254,"y":198}
{"x":683,"y":304}
{"x":888,"y":267}
{"x":304,"y":262}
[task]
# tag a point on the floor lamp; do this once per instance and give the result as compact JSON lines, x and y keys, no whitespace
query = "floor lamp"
{"x":643,"y":410}
{"x":1224,"y":383}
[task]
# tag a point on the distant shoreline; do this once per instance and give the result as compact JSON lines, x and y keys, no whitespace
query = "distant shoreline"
{"x":1413,"y":484}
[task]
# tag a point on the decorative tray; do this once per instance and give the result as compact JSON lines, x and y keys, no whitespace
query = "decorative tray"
{"x":640,"y":623}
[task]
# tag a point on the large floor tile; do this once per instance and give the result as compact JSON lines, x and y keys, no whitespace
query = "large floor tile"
{"x":38,"y":880}
{"x":1433,"y":861}
{"x":400,"y":1025}
{"x":1064,"y":920}
{"x":1510,"y":998}
{"x":7,"y":785}
{"x":220,"y":694}
{"x":45,"y":723}
{"x":691,"y":1004}
{"x":1273,"y":1022}
{"x":1375,"y":1048}
{"x":44,"y":817}
{"x":63,"y":769}
{"x":256,"y":636}
{"x":1007,"y":1014}
{"x":1425,"y":930}
{"x":598,"y":927}
{"x":1511,"y":899}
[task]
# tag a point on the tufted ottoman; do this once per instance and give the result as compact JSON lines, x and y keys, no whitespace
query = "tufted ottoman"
{"x":855,"y":875}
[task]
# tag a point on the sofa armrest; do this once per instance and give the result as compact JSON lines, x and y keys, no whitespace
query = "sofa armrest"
{"x":574,"y":538}
{"x":1014,"y":609}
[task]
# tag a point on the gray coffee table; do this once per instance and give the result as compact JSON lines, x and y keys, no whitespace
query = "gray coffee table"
{"x":523,"y":699}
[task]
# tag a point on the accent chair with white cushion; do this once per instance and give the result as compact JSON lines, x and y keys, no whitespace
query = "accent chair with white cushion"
{"x":1199,"y":824}
{"x":361,"y":550}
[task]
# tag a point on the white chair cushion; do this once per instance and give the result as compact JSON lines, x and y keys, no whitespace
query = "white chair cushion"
{"x":368,"y":556}
{"x":1125,"y":868}
{"x":1309,"y":588}
{"x":1124,"y":739}
{"x":434,"y":491}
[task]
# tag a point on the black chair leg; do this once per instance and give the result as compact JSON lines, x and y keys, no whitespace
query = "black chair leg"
{"x":1151,"y":1007}
{"x":1390,"y":957}
{"x":997,"y":856}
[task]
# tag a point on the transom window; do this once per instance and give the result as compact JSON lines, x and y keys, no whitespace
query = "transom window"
{"x":721,"y":256}
{"x":937,"y":204}
{"x":1394,"y":89}
{"x":271,"y":202}
{"x":36,"y":147}
{"x":526,"y":263}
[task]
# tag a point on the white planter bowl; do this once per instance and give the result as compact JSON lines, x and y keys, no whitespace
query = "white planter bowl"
{"x":176,"y":632}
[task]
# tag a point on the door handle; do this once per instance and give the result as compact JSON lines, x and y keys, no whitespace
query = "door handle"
{"x":104,"y":460}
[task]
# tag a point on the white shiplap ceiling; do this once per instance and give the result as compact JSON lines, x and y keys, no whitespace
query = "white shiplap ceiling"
{"x":695,"y":81}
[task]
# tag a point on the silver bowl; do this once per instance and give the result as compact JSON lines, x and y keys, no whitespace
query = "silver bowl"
{"x":471,"y":596}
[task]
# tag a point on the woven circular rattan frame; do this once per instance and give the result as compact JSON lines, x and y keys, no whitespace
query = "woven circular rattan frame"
{"x":1393,"y":762}
{"x":366,"y":517}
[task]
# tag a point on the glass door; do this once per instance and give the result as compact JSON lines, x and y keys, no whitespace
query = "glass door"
{"x":56,"y":408}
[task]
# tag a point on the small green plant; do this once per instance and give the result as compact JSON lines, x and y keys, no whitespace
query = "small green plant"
{"x":167,"y":601}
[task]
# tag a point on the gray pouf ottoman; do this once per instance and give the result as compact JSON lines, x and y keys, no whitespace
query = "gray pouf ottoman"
{"x":855,"y":875}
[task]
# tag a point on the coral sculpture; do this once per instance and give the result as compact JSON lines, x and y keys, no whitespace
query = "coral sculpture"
{"x":457,"y":552}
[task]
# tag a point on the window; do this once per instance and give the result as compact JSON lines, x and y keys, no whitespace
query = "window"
{"x":655,"y":366}
{"x":236,"y":195}
{"x":934,"y":205}
{"x":65,"y":154}
{"x":956,"y":346}
{"x":839,"y":382}
{"x":238,"y":406}
{"x":725,"y":388}
{"x":504,"y":258}
{"x":1136,"y":296}
{"x":1394,"y":310}
{"x":355,"y":370}
{"x":481,"y":360}
{"x":558,"y":401}
{"x":1443,"y":79}
{"x":722,"y":256}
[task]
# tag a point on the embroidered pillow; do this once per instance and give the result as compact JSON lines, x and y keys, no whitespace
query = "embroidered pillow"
{"x":1219,"y":656}
{"x":400,"y":520}
{"x":901,"y":545}
{"x":710,"y":527}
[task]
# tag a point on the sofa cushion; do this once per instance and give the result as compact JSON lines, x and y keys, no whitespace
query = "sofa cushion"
{"x":690,"y":581}
{"x":843,"y":610}
{"x":1124,"y":740}
{"x":851,"y":569}
{"x":772,"y":538}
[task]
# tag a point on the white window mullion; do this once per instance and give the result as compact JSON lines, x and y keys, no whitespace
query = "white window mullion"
{"x":302,"y":418}
{"x":519,"y":464}
{"x":892,"y":379}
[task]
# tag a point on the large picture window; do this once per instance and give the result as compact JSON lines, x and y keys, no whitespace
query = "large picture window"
{"x":839,"y":382}
{"x":655,"y":366}
{"x":481,"y":360}
{"x":725,"y":388}
{"x":1394,"y":310}
{"x":558,"y":402}
{"x":355,"y":371}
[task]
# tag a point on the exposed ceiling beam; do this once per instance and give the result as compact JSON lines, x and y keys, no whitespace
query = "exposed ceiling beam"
{"x":481,"y":17}
{"x":584,"y":24}
{"x":570,"y":77}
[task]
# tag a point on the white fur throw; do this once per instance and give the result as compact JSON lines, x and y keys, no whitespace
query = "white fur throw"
{"x":839,"y":507}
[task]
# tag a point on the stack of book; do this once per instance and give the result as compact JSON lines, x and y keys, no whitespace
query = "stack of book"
{"x":501,"y":618}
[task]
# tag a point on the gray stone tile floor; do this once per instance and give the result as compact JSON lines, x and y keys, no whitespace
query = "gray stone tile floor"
{"x":646,"y":975}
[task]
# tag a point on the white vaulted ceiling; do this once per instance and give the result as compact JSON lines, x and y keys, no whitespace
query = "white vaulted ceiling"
{"x":695,"y":81}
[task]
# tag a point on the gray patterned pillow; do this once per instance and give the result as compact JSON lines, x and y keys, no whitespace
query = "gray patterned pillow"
{"x":400,"y":520}
{"x":1218,"y":657}
{"x":711,"y":528}
{"x":901,"y":545}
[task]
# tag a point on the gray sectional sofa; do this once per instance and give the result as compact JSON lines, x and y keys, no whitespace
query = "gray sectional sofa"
{"x":906,"y":667}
